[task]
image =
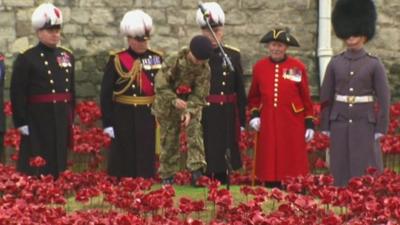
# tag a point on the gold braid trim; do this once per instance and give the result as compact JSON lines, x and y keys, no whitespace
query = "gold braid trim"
{"x":133,"y":74}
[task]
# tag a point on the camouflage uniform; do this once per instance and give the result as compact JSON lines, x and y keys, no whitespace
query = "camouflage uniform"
{"x":176,"y":71}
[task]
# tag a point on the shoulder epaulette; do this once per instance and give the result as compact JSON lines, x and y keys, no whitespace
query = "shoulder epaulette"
{"x":26,"y":49}
{"x":114,"y":52}
{"x":66,"y":49}
{"x":160,"y":53}
{"x":372,"y":55}
{"x":232,"y":48}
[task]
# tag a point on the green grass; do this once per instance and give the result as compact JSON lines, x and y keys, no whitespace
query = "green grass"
{"x":180,"y":191}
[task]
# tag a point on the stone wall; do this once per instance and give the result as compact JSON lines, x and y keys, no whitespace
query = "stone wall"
{"x":91,"y":31}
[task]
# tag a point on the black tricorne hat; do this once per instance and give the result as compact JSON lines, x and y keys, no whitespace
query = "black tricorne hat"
{"x":201,"y":47}
{"x":354,"y":18}
{"x":280,"y":35}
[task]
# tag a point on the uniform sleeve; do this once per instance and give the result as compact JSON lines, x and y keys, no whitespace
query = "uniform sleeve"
{"x":106,"y":93}
{"x":240,"y":92}
{"x":73,"y":92}
{"x":165,"y":94}
{"x":327,"y":95}
{"x":306,"y":98}
{"x":19,"y":90}
{"x":201,"y":89}
{"x":381,"y":87}
{"x":254,"y":97}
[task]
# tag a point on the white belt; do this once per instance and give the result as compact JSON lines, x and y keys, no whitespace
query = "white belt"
{"x":354,"y":99}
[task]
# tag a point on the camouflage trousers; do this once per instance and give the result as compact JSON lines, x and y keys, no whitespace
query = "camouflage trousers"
{"x":170,"y":155}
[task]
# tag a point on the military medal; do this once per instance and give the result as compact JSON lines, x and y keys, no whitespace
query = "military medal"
{"x":293,"y":74}
{"x":155,"y":63}
{"x":151,"y":63}
{"x":64,"y":60}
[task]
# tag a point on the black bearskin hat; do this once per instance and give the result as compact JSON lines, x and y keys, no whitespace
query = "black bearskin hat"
{"x":354,"y":18}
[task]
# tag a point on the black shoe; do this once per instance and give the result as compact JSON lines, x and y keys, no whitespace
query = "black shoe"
{"x":273,"y":184}
{"x":221,"y":177}
{"x":168,"y":180}
{"x":195,"y":177}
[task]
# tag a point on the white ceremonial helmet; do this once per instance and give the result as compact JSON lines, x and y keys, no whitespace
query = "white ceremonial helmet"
{"x":136,"y":24}
{"x":215,"y":15}
{"x":46,"y":16}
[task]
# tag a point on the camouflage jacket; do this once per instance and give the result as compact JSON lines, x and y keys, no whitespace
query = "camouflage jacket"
{"x":180,"y":78}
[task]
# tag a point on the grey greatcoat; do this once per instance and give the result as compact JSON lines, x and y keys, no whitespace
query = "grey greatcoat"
{"x":352,"y":125}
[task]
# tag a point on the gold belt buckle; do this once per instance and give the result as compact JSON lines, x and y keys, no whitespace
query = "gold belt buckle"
{"x":351,"y":99}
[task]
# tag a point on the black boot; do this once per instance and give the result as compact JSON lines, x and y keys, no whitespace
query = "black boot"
{"x":168,"y":180}
{"x":273,"y":184}
{"x":221,"y":177}
{"x":195,"y":177}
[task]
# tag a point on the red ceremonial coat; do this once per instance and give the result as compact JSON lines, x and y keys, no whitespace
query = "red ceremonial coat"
{"x":280,"y":92}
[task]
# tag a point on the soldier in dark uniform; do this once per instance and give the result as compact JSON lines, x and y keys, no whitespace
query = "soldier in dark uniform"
{"x":355,"y":95}
{"x":2,"y":116}
{"x":42,"y":96}
{"x":224,"y":115}
{"x":182,"y":86}
{"x":127,"y":92}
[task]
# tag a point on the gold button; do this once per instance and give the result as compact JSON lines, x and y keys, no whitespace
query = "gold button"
{"x":276,"y":79}
{"x":66,"y":89}
{"x":41,"y":54}
{"x":221,"y":103}
{"x":351,"y":89}
{"x":276,"y":94}
{"x":222,"y":93}
{"x":46,"y":63}
{"x":65,"y":101}
{"x":49,"y":72}
{"x":351,"y":73}
{"x":208,"y":104}
{"x":135,"y":105}
{"x":223,"y":83}
{"x":133,"y":86}
{"x":66,"y":80}
{"x":51,"y":81}
{"x":53,"y":91}
{"x":54,"y":101}
{"x":67,"y":70}
{"x":275,"y":89}
{"x":134,"y":95}
{"x":224,"y":73}
{"x":350,"y":121}
{"x":276,"y":75}
{"x":275,"y":105}
{"x":275,"y":99}
{"x":152,"y":74}
{"x":151,"y":84}
{"x":276,"y":85}
{"x":276,"y":65}
{"x":350,"y":105}
{"x":276,"y":71}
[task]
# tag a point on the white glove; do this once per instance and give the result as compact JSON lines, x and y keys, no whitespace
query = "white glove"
{"x":309,"y":135}
{"x":327,"y":133}
{"x":109,"y":131}
{"x":255,"y":123}
{"x":24,"y":130}
{"x":378,"y":136}
{"x":241,"y":129}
